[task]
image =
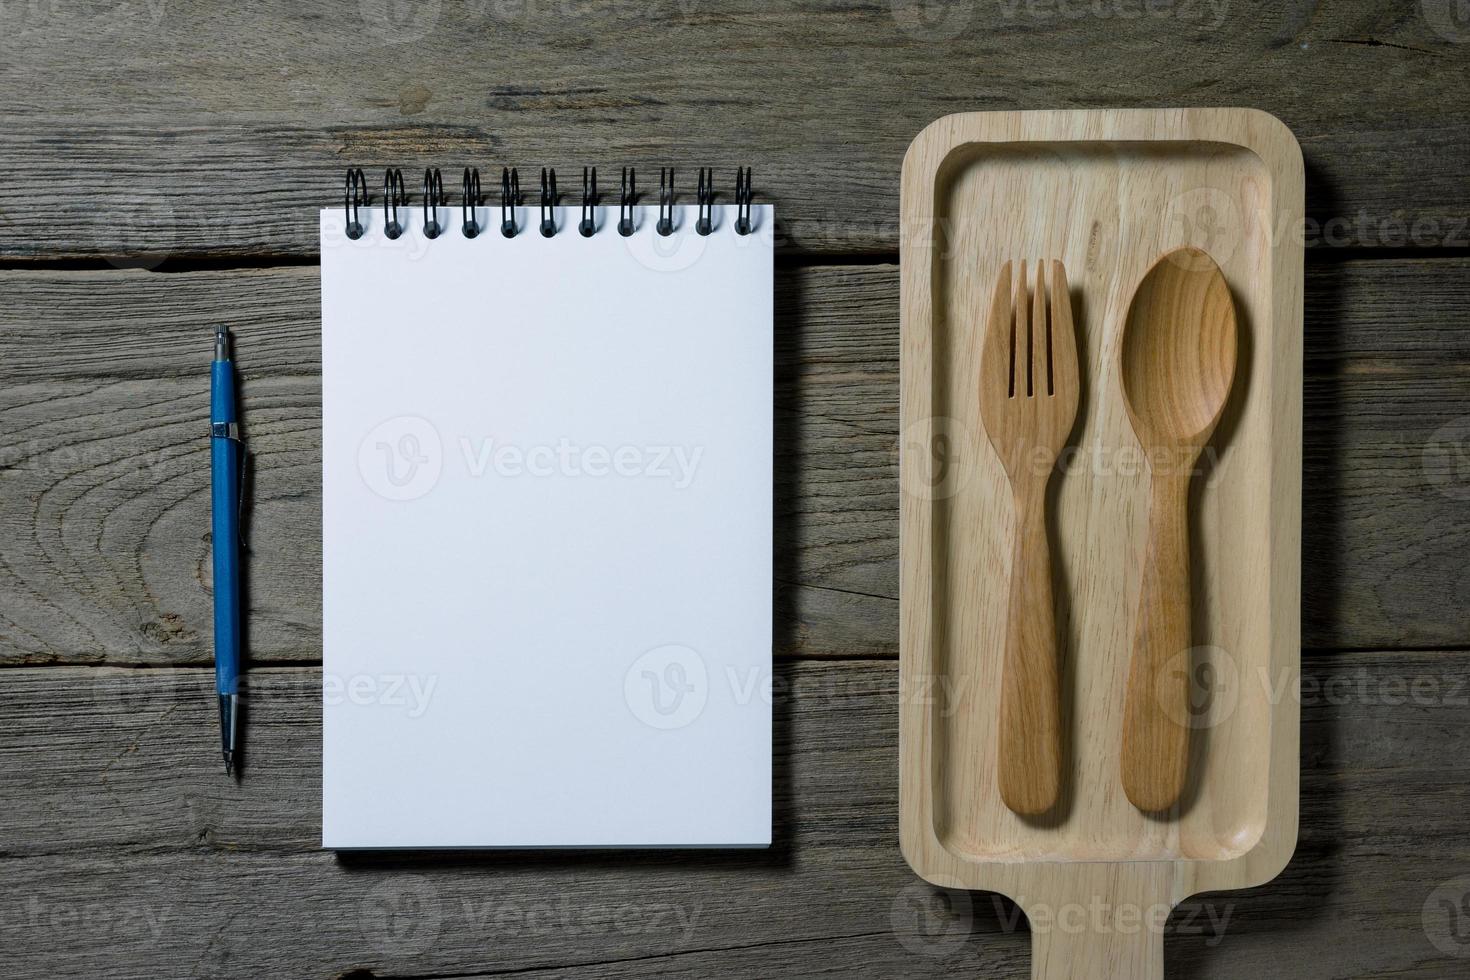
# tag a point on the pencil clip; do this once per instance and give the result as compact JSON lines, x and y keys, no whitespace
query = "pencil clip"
{"x":589,"y":201}
{"x":742,"y":201}
{"x":625,"y":201}
{"x":394,"y":197}
{"x":510,"y":199}
{"x":433,"y":200}
{"x":354,"y":196}
{"x":230,"y":432}
{"x":548,"y":202}
{"x":470,"y":201}
{"x":706,"y":200}
{"x":665,"y":201}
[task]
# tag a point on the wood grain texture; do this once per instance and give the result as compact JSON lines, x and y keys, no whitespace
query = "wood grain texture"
{"x":185,"y":127}
{"x":1157,"y":343}
{"x":125,"y":853}
{"x":1028,"y":393}
{"x":1176,"y":366}
{"x":103,"y":475}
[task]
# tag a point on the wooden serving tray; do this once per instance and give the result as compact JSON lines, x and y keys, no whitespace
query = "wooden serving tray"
{"x":1107,"y":192}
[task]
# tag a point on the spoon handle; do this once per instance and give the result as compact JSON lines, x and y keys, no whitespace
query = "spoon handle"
{"x":1156,"y":711}
{"x":1030,"y":742}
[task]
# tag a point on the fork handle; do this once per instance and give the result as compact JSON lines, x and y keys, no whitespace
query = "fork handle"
{"x":1156,"y":709}
{"x":1029,"y":760}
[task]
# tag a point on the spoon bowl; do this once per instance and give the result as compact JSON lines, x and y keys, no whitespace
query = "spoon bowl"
{"x":1179,"y":346}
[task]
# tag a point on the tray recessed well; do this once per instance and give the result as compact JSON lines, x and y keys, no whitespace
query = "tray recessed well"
{"x":1107,"y":192}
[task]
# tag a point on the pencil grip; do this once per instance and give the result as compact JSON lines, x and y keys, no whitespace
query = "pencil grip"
{"x":225,"y":452}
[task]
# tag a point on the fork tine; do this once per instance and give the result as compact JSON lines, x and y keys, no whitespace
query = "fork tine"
{"x":1023,"y":328}
{"x":1040,"y":326}
{"x":998,"y":351}
{"x":1010,"y":315}
{"x":1063,"y":334}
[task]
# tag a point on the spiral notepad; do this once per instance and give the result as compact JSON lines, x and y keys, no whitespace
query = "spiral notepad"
{"x":546,"y":468}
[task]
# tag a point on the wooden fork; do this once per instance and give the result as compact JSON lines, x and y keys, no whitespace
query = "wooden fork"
{"x":1028,"y":402}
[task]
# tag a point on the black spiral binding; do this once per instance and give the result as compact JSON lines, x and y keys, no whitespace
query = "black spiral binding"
{"x":589,"y":202}
{"x":743,"y":197}
{"x":665,"y":202}
{"x":706,"y":200}
{"x":395,"y":198}
{"x":433,"y":201}
{"x":548,"y":203}
{"x":510,"y":199}
{"x":626,"y":199}
{"x":354,"y":196}
{"x":470,"y":201}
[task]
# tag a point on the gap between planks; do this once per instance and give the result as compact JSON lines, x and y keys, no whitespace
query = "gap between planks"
{"x":787,"y":259}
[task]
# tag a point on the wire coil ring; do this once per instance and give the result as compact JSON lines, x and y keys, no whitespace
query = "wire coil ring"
{"x":394,"y":197}
{"x":470,"y":200}
{"x":355,"y":198}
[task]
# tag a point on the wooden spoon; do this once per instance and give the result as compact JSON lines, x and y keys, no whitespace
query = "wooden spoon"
{"x":1176,"y":365}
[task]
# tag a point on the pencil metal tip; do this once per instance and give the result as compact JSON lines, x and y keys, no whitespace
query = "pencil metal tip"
{"x":221,"y":342}
{"x":229,"y":763}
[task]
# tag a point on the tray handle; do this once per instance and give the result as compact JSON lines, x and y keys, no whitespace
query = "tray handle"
{"x":1101,"y":922}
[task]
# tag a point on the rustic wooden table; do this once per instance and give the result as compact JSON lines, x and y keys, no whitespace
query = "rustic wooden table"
{"x":164,"y":160}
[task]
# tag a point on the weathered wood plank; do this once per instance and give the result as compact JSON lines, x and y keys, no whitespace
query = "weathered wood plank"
{"x":149,"y":130}
{"x":104,"y":554}
{"x":1405,"y":312}
{"x":127,"y":852}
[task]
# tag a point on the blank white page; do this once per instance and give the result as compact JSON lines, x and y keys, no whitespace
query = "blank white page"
{"x":546,"y":520}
